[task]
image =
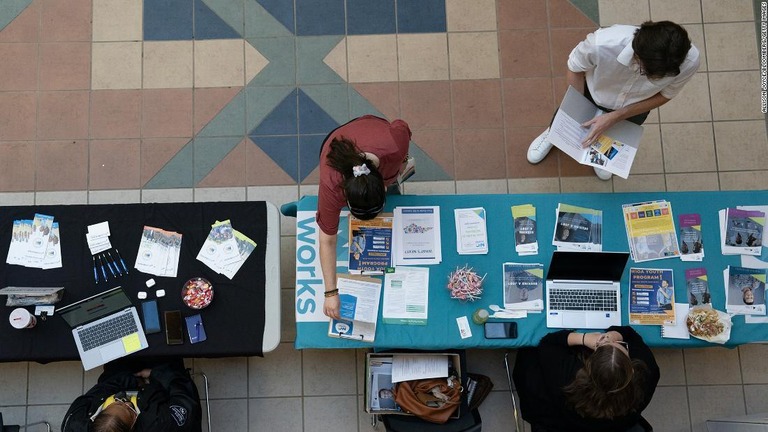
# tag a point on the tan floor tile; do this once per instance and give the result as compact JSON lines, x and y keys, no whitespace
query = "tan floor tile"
{"x":114,"y":164}
{"x":65,"y":20}
{"x":426,"y":105}
{"x":18,"y":113}
{"x":167,"y":195}
{"x":226,"y":376}
{"x":671,"y":365}
{"x":52,"y":156}
{"x":117,"y":20}
{"x":372,"y":58}
{"x":430,"y":188}
{"x":63,"y":115}
{"x":491,"y":364}
{"x":700,"y":181}
{"x":476,"y":103}
{"x":19,"y":66}
{"x":278,"y":373}
{"x":132,"y":196}
{"x":496,"y":411}
{"x":741,"y":146}
{"x":283,"y":414}
{"x":219,"y":63}
{"x":473,"y":55}
{"x":480,"y":187}
{"x":422,"y":57}
{"x":649,"y":159}
{"x":528,"y":102}
{"x":756,"y":398}
{"x":317,"y":382}
{"x":65,"y":66}
{"x":731,"y":46}
{"x":585,"y":184}
{"x":17,"y":168}
{"x":167,"y":113}
{"x":680,"y":11}
{"x":228,"y":415}
{"x":711,"y":402}
{"x":520,"y":14}
{"x":632,"y":12}
{"x":668,"y":410}
{"x":735,"y":95}
{"x":753,"y":366}
{"x":691,"y":104}
{"x":116,"y":65}
{"x":712,"y":366}
{"x":13,"y":381}
{"x":168,"y":64}
{"x":640,"y":183}
{"x":55,"y":383}
{"x":278,"y":195}
{"x":733,"y":10}
{"x":744,"y":180}
{"x":481,"y":152}
{"x":478,"y":15}
{"x":525,"y":53}
{"x":534,"y":185}
{"x":563,"y":41}
{"x":696,"y":35}
{"x":688,"y":147}
{"x":330,"y":413}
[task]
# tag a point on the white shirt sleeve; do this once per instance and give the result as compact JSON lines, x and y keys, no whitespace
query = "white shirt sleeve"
{"x":584,"y":56}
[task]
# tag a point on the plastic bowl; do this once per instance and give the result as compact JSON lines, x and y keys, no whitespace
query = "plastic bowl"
{"x":197,"y":293}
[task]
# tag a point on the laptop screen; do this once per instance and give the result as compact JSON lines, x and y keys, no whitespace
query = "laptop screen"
{"x":594,"y":266}
{"x":95,"y":307}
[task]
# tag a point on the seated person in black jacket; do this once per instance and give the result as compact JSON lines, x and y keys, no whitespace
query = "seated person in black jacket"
{"x":586,"y":381}
{"x":131,"y":396}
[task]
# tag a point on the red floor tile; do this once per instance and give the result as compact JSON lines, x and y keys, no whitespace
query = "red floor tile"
{"x":480,"y":154}
{"x":476,"y":103}
{"x":528,"y":102}
{"x":156,"y":152}
{"x":438,"y":145}
{"x":262,"y":171}
{"x":17,"y":166}
{"x":66,"y":20}
{"x":518,"y":140}
{"x":115,"y":164}
{"x":524,"y":53}
{"x":426,"y":104}
{"x":18,"y":67}
{"x":115,"y":113}
{"x":18,"y":112}
{"x":563,"y":14}
{"x":63,"y":115}
{"x":230,"y":172}
{"x":521,"y":14}
{"x":65,"y":66}
{"x":209,"y":101}
{"x":62,"y":165}
{"x":571,"y":168}
{"x":563,"y":41}
{"x":167,"y":113}
{"x":25,"y":27}
{"x":384,"y":96}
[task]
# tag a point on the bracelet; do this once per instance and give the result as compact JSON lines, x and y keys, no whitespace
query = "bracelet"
{"x":332,"y":293}
{"x":582,"y":338}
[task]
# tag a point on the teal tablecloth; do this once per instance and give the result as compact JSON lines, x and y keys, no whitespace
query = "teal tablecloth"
{"x":442,"y":332}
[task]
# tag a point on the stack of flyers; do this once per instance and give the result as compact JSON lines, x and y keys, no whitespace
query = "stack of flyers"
{"x":697,"y":287}
{"x":745,"y":290}
{"x":98,"y":237}
{"x":691,"y":243}
{"x":523,"y":287}
{"x":225,"y":249}
{"x":578,"y":229}
{"x":416,"y":238}
{"x":741,"y":231}
{"x":651,"y":232}
{"x":159,"y":252}
{"x":471,"y":231}
{"x":35,"y":243}
{"x":524,"y":217}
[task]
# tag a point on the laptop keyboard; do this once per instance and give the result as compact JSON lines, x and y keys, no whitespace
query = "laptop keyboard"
{"x":107,"y":331}
{"x":582,"y":300}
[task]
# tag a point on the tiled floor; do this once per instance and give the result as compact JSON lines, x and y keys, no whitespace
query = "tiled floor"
{"x":115,"y":101}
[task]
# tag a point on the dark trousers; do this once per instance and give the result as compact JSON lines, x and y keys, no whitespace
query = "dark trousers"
{"x":638,"y":119}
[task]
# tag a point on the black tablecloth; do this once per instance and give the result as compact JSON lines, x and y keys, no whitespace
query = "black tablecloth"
{"x":234,"y":322}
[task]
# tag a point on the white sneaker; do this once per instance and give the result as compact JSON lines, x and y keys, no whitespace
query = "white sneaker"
{"x":539,"y":148}
{"x":602,"y":174}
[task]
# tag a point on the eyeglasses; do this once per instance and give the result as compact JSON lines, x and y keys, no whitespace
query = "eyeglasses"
{"x":127,"y":403}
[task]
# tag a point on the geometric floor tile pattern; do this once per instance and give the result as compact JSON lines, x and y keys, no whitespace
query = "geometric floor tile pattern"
{"x":181,"y":100}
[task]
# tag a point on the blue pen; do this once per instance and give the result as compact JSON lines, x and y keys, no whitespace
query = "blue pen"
{"x":117,"y":252}
{"x":114,"y":263}
{"x":104,"y":272}
{"x":109,"y":266}
{"x":95,"y":272}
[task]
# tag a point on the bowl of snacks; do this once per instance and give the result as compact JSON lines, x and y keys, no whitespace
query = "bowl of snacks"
{"x":197,"y":293}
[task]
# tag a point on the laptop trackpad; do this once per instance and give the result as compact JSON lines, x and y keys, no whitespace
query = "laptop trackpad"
{"x":574,"y":320}
{"x":112,"y":351}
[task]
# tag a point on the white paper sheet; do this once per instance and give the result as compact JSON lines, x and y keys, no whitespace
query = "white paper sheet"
{"x":413,"y":367}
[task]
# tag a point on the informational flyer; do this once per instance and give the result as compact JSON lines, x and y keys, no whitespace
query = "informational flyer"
{"x":691,"y":242}
{"x":359,"y":309}
{"x":651,"y":296}
{"x":370,"y":244}
{"x":523,"y":286}
{"x":417,"y":237}
{"x":159,"y":252}
{"x":651,"y":232}
{"x":745,"y":290}
{"x":406,"y":296}
{"x":38,"y":240}
{"x":524,"y":217}
{"x":471,"y":231}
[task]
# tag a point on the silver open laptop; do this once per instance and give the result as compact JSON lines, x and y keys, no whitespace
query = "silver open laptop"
{"x":105,"y":326}
{"x":583,"y":290}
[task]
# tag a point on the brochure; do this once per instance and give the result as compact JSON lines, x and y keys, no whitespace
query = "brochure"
{"x":741,"y":231}
{"x":382,"y":393}
{"x":159,"y":252}
{"x":220,"y":247}
{"x":53,"y":251}
{"x":524,"y":217}
{"x":760,"y":261}
{"x":651,"y":296}
{"x":17,"y":250}
{"x":745,"y":290}
{"x":359,"y":310}
{"x":370,"y":245}
{"x":245,"y":247}
{"x":651,"y":232}
{"x":523,"y":286}
{"x":578,"y":228}
{"x":38,"y":240}
{"x":614,"y":151}
{"x":416,"y":236}
{"x":697,"y":286}
{"x":691,"y":242}
{"x":406,"y":296}
{"x":471,"y":231}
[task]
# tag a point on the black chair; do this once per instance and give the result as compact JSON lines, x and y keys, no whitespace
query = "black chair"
{"x":17,"y":428}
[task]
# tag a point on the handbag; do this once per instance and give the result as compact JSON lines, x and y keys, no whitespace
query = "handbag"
{"x":433,"y":399}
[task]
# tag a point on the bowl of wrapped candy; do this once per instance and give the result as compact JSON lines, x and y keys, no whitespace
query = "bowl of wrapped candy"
{"x":197,"y":293}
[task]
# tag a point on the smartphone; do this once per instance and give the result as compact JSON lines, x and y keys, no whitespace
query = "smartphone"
{"x":151,"y":317}
{"x":195,"y":329}
{"x":501,"y":330}
{"x":174,"y":333}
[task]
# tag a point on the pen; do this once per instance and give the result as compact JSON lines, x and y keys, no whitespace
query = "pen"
{"x":117,"y":252}
{"x":109,"y":266}
{"x":104,"y":272}
{"x":114,"y":263}
{"x":95,"y":272}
